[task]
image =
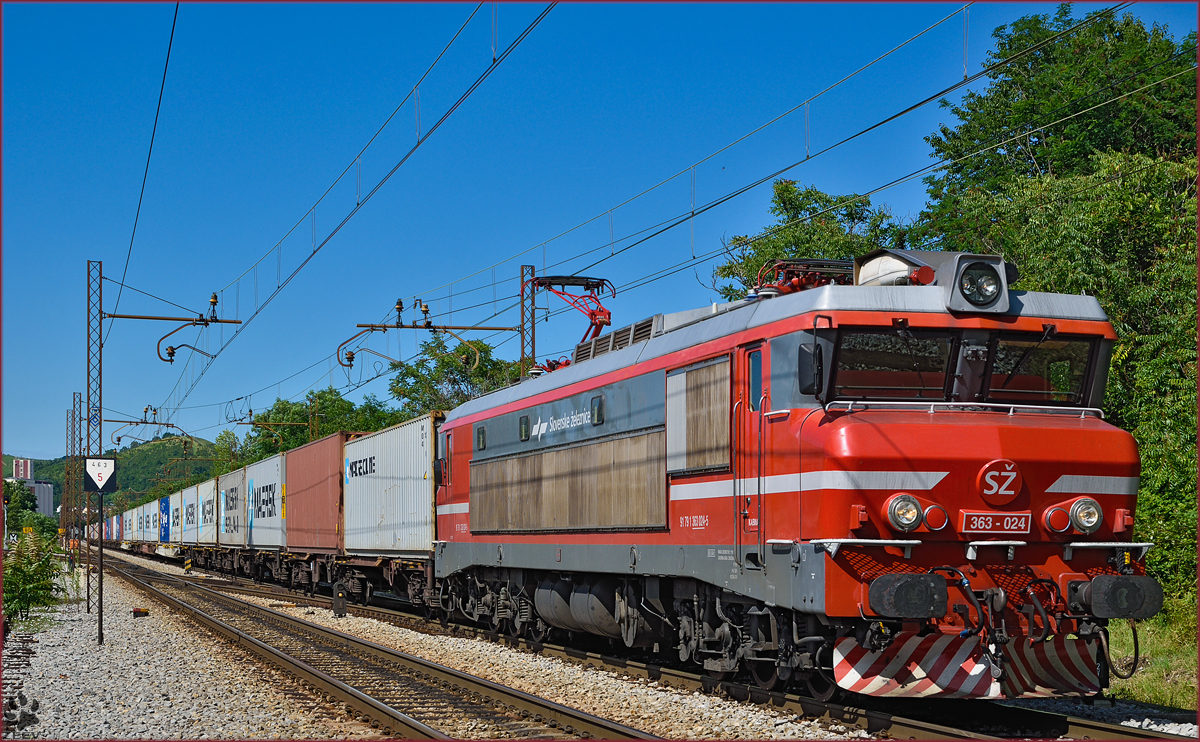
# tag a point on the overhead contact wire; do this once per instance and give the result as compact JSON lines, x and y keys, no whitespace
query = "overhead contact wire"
{"x":146,"y":173}
{"x":258,"y":310}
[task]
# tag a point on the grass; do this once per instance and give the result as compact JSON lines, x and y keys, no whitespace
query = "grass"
{"x":1167,"y":668}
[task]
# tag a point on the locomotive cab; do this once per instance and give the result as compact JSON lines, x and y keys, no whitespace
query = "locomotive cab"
{"x":987,"y":496}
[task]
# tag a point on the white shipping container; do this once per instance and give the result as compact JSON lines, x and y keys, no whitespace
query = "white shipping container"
{"x":265,"y":486}
{"x":144,"y":520}
{"x":190,"y":515}
{"x":206,"y":496}
{"x":231,"y":523}
{"x":176,"y":532}
{"x":129,"y":534}
{"x":389,"y":502}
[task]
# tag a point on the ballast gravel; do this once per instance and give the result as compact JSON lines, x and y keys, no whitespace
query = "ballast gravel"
{"x":159,"y":677}
{"x":643,"y":704}
{"x":1125,"y":713}
{"x":636,"y":702}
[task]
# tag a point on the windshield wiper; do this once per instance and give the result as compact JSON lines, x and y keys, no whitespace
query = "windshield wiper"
{"x":1048,"y":331}
{"x":905,"y":334}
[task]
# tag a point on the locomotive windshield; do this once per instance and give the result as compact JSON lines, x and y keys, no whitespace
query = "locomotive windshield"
{"x":1032,"y":370}
{"x":895,"y":364}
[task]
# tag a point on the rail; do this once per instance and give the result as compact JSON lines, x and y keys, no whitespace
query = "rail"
{"x":903,"y":719}
{"x":374,"y":669}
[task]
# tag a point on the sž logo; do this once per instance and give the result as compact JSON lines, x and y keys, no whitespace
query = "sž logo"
{"x":999,"y":481}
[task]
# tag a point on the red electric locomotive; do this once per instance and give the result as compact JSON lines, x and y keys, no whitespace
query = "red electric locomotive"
{"x":890,"y":476}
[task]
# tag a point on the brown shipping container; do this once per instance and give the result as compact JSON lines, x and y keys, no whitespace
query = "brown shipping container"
{"x":313,"y":496}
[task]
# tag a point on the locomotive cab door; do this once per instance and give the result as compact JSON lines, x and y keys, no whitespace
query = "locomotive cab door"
{"x":751,"y":401}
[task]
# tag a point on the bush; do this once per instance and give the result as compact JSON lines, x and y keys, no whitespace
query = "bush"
{"x":32,"y":576}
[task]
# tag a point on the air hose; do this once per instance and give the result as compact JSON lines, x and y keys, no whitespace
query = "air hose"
{"x":1108,"y":657}
{"x":965,"y":584}
{"x":1037,"y":604}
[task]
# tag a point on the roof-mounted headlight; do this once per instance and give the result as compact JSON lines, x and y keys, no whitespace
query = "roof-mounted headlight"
{"x":979,"y":284}
{"x":1086,"y":515}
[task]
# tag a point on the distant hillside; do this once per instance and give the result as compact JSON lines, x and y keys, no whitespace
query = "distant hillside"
{"x":137,"y":466}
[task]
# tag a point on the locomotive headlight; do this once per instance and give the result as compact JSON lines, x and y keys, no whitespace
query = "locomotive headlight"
{"x":904,"y":512}
{"x":1086,"y":515}
{"x":979,"y":284}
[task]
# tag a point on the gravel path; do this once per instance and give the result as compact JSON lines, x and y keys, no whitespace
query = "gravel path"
{"x":160,"y":677}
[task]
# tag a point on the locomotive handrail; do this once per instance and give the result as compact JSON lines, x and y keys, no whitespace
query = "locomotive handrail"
{"x":760,"y":542}
{"x":850,"y":404}
{"x":831,"y":545}
{"x":737,"y":506}
{"x":1143,"y":547}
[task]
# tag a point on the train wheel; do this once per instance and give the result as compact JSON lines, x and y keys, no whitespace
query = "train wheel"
{"x":765,"y":674}
{"x":513,"y":629}
{"x":819,"y":687}
{"x":539,"y":631}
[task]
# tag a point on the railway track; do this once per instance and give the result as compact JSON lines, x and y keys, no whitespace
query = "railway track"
{"x":404,"y":695}
{"x":901,"y":719}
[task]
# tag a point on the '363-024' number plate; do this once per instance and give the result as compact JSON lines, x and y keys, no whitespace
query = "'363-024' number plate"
{"x":974,"y":522}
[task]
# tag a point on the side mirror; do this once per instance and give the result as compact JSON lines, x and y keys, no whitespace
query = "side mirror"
{"x":811,"y":368}
{"x":439,"y":472}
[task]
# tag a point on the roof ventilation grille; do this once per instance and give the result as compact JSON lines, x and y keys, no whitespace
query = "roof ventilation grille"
{"x":615,"y":340}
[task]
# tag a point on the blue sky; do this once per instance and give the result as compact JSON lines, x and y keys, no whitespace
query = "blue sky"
{"x":265,"y":105}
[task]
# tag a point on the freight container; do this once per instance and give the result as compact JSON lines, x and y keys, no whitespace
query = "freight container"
{"x":313,"y":505}
{"x":153,"y":508}
{"x":189,"y":515}
{"x":127,"y":528}
{"x":231,"y":522}
{"x":164,"y":520}
{"x":389,"y":490}
{"x":176,"y":532}
{"x":144,"y":520}
{"x":265,"y":485}
{"x":206,"y":497}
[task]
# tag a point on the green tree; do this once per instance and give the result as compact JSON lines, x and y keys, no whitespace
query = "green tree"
{"x":20,"y":500}
{"x":809,"y":223}
{"x":227,"y":452}
{"x":1124,"y":232}
{"x":43,"y":525}
{"x":1111,"y":56}
{"x":441,"y":379}
{"x":330,"y":411}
